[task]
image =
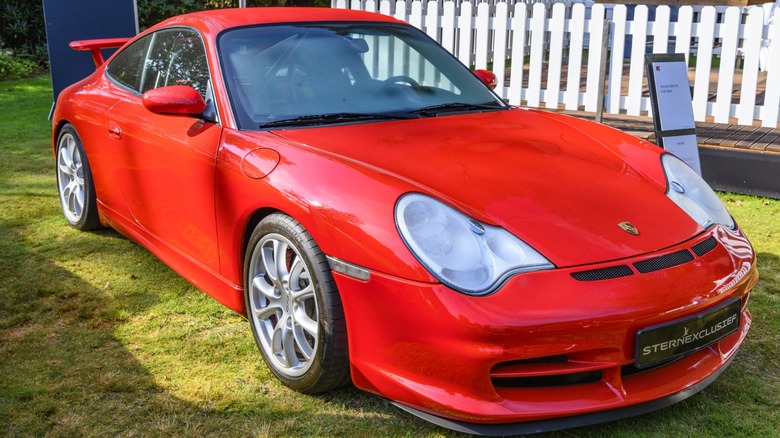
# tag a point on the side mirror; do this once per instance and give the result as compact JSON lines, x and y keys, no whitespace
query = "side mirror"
{"x":488,"y":77}
{"x":176,"y":99}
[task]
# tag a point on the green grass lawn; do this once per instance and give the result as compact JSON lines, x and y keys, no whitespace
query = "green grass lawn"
{"x":99,"y":338}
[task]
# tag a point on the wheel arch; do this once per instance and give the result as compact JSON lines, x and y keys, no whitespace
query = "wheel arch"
{"x":254,"y":219}
{"x":328,"y":358}
{"x":57,"y":129}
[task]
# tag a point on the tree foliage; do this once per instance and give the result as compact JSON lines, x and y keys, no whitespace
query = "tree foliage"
{"x":151,"y":12}
{"x":23,"y":34}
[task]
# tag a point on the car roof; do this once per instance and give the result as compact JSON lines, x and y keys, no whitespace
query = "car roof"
{"x":227,"y":18}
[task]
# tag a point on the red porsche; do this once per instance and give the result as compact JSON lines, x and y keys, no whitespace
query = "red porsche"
{"x":380,"y":216}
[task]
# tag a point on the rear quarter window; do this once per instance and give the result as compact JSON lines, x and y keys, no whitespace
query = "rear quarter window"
{"x":127,"y":66}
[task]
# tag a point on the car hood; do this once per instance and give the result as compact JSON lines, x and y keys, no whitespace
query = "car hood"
{"x":557,"y":187}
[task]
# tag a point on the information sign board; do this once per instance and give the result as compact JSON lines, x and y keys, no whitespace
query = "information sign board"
{"x":670,"y":95}
{"x":686,"y":148}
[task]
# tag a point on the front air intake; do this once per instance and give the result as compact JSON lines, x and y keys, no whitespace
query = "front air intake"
{"x":603,"y":273}
{"x":665,"y":261}
{"x":704,"y":247}
{"x":650,"y":265}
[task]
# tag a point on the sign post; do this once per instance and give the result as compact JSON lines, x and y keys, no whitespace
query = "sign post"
{"x":670,"y":95}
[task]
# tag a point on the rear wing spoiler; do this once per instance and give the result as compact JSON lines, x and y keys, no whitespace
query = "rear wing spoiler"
{"x":95,"y":47}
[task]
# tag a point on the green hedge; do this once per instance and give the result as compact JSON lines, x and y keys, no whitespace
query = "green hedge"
{"x":15,"y":67}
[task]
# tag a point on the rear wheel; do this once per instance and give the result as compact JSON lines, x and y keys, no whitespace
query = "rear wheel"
{"x":74,"y":182}
{"x":294,"y":308}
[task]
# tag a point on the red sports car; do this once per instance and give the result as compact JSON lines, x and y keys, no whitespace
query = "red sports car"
{"x":379,"y":215}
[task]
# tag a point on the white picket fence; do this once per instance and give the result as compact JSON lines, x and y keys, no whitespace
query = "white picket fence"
{"x":547,"y":55}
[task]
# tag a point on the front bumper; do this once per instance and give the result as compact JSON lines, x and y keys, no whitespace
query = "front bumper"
{"x":546,"y":345}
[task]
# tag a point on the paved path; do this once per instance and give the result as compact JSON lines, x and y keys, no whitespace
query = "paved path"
{"x":709,"y":134}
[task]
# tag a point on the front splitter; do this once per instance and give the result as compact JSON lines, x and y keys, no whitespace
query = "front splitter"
{"x":532,"y":427}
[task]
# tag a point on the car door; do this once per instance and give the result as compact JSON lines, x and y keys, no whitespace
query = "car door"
{"x":165,"y":164}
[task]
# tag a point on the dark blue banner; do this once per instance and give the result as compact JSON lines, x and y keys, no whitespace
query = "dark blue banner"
{"x":70,"y":20}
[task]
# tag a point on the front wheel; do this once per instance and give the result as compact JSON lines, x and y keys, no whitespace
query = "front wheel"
{"x":74,"y":182}
{"x":294,"y":308}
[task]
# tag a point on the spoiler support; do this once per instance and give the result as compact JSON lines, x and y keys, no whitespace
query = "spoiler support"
{"x":95,"y":47}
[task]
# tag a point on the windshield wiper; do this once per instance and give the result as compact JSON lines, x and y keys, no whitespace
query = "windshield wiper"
{"x":435,"y":110}
{"x":324,"y":119}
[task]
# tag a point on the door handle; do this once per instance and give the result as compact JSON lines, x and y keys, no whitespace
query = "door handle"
{"x":114,"y":131}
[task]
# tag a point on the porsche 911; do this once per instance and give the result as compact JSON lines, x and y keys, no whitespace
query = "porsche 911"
{"x":381,"y":217}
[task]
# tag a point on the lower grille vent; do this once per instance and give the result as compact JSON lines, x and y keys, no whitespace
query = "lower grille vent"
{"x":543,"y":372}
{"x":630,"y":370}
{"x":548,"y":381}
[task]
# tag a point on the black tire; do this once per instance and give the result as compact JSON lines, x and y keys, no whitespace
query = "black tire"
{"x":287,"y":300}
{"x":75,"y":186}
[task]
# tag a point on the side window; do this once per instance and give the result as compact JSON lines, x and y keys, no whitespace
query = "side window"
{"x":177,"y":58}
{"x":127,"y":67}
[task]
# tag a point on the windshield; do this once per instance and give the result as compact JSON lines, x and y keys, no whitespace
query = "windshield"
{"x":313,"y":74}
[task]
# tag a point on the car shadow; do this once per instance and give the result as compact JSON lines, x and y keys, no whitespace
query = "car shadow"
{"x":60,"y":361}
{"x":65,"y":370}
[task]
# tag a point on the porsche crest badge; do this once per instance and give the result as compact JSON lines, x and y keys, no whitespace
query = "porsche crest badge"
{"x":628,"y":228}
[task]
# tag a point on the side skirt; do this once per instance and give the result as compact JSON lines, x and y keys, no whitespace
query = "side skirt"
{"x":210,"y":282}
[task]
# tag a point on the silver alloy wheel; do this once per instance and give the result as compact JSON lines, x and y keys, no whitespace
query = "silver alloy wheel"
{"x":70,"y":178}
{"x":283,"y":305}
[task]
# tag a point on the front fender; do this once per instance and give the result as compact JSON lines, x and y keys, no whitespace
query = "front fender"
{"x":346,"y":207}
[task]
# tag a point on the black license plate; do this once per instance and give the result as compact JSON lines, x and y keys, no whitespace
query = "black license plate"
{"x":664,"y":342}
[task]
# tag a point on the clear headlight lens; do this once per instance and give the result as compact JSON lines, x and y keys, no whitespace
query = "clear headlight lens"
{"x":691,"y":193}
{"x":462,"y":253}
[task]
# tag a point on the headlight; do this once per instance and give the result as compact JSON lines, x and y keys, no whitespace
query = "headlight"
{"x":689,"y":191}
{"x":462,"y":253}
